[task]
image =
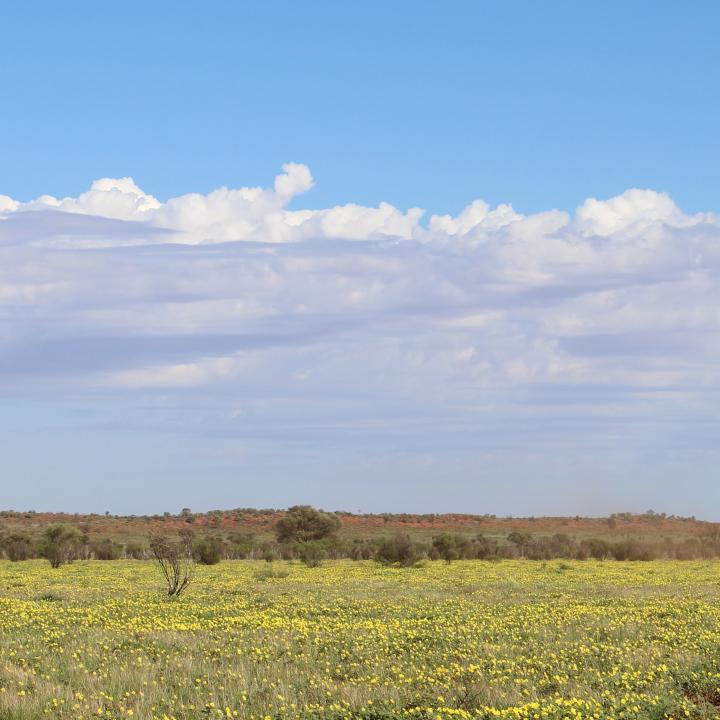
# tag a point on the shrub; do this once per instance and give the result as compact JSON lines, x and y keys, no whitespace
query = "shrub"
{"x":361,"y":551}
{"x":444,"y":547}
{"x":287,"y":551}
{"x":521,"y":541}
{"x":400,"y":550}
{"x":594,"y":548}
{"x":634,"y":550}
{"x":106,"y":549}
{"x":207,"y":551}
{"x":175,"y":561}
{"x":135,"y":550}
{"x":241,"y":545}
{"x":18,"y":546}
{"x":484,"y":548}
{"x":312,"y":553}
{"x":60,"y":544}
{"x":303,"y":523}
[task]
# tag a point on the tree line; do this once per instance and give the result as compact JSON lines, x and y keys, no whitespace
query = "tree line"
{"x":312,"y":536}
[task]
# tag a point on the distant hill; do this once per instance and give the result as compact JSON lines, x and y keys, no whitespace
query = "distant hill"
{"x":260,"y":523}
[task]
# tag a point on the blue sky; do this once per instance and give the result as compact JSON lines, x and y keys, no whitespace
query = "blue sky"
{"x":538,"y":104}
{"x":468,"y":257}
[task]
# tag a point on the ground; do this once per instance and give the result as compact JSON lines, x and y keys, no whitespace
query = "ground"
{"x":509,"y":639}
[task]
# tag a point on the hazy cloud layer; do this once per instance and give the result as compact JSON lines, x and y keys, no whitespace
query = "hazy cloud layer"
{"x":354,"y":322}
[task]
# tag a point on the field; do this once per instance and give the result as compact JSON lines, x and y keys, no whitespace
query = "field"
{"x":511,"y":639}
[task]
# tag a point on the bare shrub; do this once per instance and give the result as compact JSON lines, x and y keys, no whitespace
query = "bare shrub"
{"x":175,"y":561}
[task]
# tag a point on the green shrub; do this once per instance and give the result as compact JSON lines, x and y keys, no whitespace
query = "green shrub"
{"x":303,"y":523}
{"x":106,"y":549}
{"x":444,"y":547}
{"x":60,"y":544}
{"x":400,"y":550}
{"x":312,"y":553}
{"x":18,"y":546}
{"x":207,"y":551}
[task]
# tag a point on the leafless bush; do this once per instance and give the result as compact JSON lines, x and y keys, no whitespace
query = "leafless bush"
{"x":175,"y":561}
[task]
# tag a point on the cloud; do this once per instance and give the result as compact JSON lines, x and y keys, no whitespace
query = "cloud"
{"x":7,"y":204}
{"x":181,"y":375}
{"x":362,"y":317}
{"x":296,"y":179}
{"x":634,"y":209}
{"x":248,"y":213}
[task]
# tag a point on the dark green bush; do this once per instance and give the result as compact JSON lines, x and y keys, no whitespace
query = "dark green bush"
{"x":444,"y":547}
{"x":208,"y":551}
{"x":61,"y":544}
{"x":400,"y":550}
{"x":106,"y":549}
{"x":312,"y":553}
{"x":18,"y":546}
{"x":303,"y":523}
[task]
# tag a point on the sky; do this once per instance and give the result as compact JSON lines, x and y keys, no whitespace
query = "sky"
{"x":407,"y":256}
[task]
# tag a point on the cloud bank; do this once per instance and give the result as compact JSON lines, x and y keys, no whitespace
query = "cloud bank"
{"x":365,"y":322}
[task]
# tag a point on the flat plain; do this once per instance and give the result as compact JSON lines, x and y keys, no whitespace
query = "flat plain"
{"x":472,"y":639}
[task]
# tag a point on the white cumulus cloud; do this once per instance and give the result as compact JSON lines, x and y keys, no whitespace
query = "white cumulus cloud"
{"x":429,"y":325}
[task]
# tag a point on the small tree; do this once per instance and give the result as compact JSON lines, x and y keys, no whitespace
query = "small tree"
{"x":60,"y":544}
{"x":175,"y":561}
{"x":303,"y":523}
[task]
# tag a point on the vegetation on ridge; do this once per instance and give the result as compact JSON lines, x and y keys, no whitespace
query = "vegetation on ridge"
{"x":313,"y":536}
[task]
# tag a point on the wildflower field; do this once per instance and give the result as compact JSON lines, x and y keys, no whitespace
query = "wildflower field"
{"x":474,"y":639}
